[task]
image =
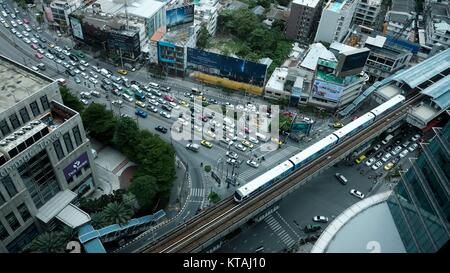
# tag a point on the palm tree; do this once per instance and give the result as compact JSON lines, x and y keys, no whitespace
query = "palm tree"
{"x":48,"y":242}
{"x":98,"y":220}
{"x":117,"y":213}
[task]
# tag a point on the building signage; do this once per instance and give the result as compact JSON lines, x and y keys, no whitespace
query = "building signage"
{"x":326,"y":90}
{"x":77,"y":30}
{"x":76,"y":165}
{"x":26,"y":156}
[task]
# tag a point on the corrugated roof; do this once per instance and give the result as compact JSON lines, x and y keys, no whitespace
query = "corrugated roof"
{"x":425,"y":70}
{"x":439,"y":92}
{"x":55,"y":205}
{"x":73,"y":216}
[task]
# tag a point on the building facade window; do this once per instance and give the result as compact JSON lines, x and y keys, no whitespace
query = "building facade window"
{"x":3,"y":232}
{"x":14,"y":121}
{"x":44,"y":102}
{"x":24,"y":115}
{"x":4,"y":127}
{"x":2,"y":199}
{"x":58,"y":149}
{"x":35,"y":109}
{"x":68,"y":142}
{"x":77,"y":135}
{"x":12,"y":221}
{"x":24,"y":213}
{"x":9,"y":186}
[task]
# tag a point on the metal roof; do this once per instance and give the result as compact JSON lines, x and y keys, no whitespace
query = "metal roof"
{"x":425,"y":70}
{"x":439,"y":92}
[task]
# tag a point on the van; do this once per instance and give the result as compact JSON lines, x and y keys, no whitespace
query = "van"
{"x":262,"y":137}
{"x":360,"y":159}
{"x":387,"y":139}
{"x":192,"y":147}
{"x":95,"y":94}
{"x":341,"y":178}
{"x":127,"y":97}
{"x":104,"y":72}
{"x":153,"y":85}
{"x":195,"y":91}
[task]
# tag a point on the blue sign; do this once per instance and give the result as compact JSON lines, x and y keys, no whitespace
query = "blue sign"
{"x":232,"y":68}
{"x":179,"y":16}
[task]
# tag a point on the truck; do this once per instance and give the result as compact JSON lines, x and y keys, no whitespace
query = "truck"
{"x":262,"y":137}
{"x":387,"y":139}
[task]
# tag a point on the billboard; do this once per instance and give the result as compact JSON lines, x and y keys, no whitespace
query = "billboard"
{"x":327,"y":91}
{"x":352,"y":62}
{"x":76,"y":28}
{"x":76,"y":166}
{"x":228,"y":67}
{"x":180,"y":16}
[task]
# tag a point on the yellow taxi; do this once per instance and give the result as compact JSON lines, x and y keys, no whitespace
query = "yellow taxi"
{"x":246,"y":143}
{"x":183,"y":103}
{"x":388,"y":166}
{"x":122,"y":71}
{"x":203,"y":98}
{"x":206,"y":143}
{"x":51,"y":45}
{"x":276,"y":140}
{"x":360,"y":159}
{"x":140,"y":103}
{"x":338,"y":125}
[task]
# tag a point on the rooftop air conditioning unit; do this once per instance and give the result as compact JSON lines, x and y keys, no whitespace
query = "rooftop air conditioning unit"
{"x":19,"y":133}
{"x":27,"y":128}
{"x":3,"y":143}
{"x":35,"y":122}
{"x":10,"y":138}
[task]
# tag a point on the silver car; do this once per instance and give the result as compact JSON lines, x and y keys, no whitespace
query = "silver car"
{"x":356,"y":193}
{"x":320,"y":219}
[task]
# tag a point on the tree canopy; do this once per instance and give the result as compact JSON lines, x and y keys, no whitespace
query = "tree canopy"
{"x":203,"y":37}
{"x":100,"y":122}
{"x":70,"y":100}
{"x":145,"y":189}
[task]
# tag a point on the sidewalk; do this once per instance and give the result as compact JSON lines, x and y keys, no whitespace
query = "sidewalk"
{"x":180,"y":190}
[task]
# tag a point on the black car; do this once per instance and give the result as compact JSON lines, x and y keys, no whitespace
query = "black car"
{"x":161,"y":129}
{"x":389,"y":148}
{"x":379,"y":155}
{"x":43,"y":46}
{"x":43,"y":39}
{"x":61,"y":56}
{"x":70,"y":72}
{"x":52,"y":51}
{"x":166,"y":107}
{"x":105,"y":87}
{"x":41,"y":66}
{"x":136,"y":83}
{"x":74,"y":58}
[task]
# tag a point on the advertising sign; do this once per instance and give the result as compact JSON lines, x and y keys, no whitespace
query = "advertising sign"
{"x":228,"y":67}
{"x":326,"y":90}
{"x":76,"y":28}
{"x":76,"y":166}
{"x":124,"y":42}
{"x":180,"y":16}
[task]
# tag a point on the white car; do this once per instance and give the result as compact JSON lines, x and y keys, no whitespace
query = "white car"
{"x":24,"y":33}
{"x":240,"y":147}
{"x":182,"y":121}
{"x":58,"y":61}
{"x":41,"y":51}
{"x":76,"y":71}
{"x":34,"y":40}
{"x":118,"y":102}
{"x":356,"y":193}
{"x":85,"y":102}
{"x":84,"y":63}
{"x":84,"y":75}
{"x":370,"y":161}
{"x":35,"y":68}
{"x":232,"y":155}
{"x":377,"y":147}
{"x":396,"y":150}
{"x":320,"y":219}
{"x":403,"y":153}
{"x":93,"y":74}
{"x":253,"y":140}
{"x":26,"y":40}
{"x":153,"y":102}
{"x":210,"y":134}
{"x":386,"y":157}
{"x":174,"y":105}
{"x":165,"y":114}
{"x":376,"y":165}
{"x":413,"y":147}
{"x":50,"y":56}
{"x":252,"y":163}
{"x":415,"y":137}
{"x":231,"y":161}
{"x":67,"y":53}
{"x":57,"y":48}
{"x":94,"y":81}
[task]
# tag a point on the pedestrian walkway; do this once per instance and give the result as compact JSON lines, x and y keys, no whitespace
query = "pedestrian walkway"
{"x":279,"y":231}
{"x":197,"y":192}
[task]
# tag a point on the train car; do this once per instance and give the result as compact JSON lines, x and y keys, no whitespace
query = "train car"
{"x":313,"y":151}
{"x":388,"y":106}
{"x":354,"y":126}
{"x":263,"y":181}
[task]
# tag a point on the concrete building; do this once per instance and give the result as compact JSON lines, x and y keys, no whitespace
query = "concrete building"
{"x":400,"y":19}
{"x":275,"y":88}
{"x":437,"y":27}
{"x":412,"y":218}
{"x":335,"y":21}
{"x":367,"y":12}
{"x":302,"y":22}
{"x":206,"y":13}
{"x":57,"y":12}
{"x":385,"y":58}
{"x":46,"y":161}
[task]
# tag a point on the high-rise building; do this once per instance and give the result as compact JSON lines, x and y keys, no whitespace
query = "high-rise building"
{"x":46,"y":161}
{"x":335,"y":21}
{"x":366,"y":12}
{"x":420,"y":203}
{"x":302,"y":22}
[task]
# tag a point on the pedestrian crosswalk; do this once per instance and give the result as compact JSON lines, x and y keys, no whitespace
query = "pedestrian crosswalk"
{"x":197,"y":192}
{"x":271,"y":161}
{"x":279,"y":231}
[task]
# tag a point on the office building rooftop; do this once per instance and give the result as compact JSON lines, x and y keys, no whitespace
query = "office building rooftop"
{"x":307,"y":3}
{"x":17,"y":83}
{"x":142,"y":8}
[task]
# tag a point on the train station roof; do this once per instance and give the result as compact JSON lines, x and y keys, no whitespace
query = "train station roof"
{"x":439,"y":92}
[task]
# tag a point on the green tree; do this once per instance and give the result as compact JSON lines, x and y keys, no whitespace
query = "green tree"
{"x":48,"y":242}
{"x":130,"y":201}
{"x":207,"y":168}
{"x":264,"y":3}
{"x":99,"y":122}
{"x":214,"y":197}
{"x":98,"y":220}
{"x":117,"y":213}
{"x":145,"y":189}
{"x":125,"y":136}
{"x":67,"y":234}
{"x":284,"y":2}
{"x":203,"y":37}
{"x":70,"y":100}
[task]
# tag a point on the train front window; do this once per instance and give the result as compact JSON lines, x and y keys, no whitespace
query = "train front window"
{"x":237,"y":196}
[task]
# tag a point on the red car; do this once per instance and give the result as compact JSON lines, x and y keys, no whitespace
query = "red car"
{"x":26,"y":21}
{"x":39,"y":56}
{"x":34,"y":46}
{"x":168,"y":98}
